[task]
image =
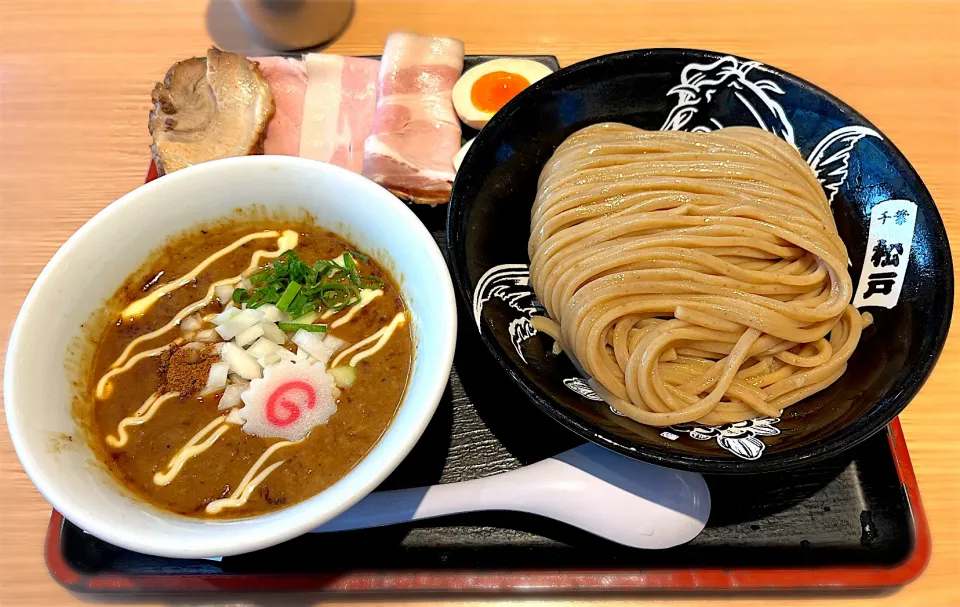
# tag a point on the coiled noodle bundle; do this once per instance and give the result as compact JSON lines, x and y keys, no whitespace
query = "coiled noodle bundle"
{"x":696,"y":277}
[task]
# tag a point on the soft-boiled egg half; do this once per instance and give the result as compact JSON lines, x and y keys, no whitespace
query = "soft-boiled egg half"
{"x":484,"y":89}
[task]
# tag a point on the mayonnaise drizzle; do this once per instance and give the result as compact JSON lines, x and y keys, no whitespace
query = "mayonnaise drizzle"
{"x":138,"y":307}
{"x":366,"y":296}
{"x":143,"y":415}
{"x":246,"y":487}
{"x":193,"y":448}
{"x":381,"y":337}
{"x":105,"y":388}
{"x":287,"y":241}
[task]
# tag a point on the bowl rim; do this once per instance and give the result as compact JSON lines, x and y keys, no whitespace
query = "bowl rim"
{"x":842,"y":440}
{"x":269,"y":531}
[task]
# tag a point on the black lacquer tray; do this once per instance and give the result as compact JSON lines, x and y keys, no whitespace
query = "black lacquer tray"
{"x":851,"y":522}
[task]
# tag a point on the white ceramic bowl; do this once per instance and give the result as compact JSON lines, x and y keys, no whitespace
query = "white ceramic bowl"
{"x":94,"y":262}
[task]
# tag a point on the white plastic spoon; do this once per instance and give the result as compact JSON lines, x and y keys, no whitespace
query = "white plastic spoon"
{"x":589,"y":487}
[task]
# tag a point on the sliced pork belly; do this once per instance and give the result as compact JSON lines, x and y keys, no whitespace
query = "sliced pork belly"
{"x":287,"y":78}
{"x":416,"y":132}
{"x":338,"y":110}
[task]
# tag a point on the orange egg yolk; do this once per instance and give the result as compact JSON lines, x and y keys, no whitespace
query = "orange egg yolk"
{"x":492,"y":91}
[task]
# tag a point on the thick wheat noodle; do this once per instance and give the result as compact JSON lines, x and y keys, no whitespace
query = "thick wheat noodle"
{"x":696,"y":277}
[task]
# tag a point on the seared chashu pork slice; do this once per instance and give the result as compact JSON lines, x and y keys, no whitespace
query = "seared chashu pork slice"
{"x":210,"y":108}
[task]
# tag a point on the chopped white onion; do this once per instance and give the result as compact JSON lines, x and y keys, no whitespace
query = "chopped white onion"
{"x":286,"y":355}
{"x":229,"y":312}
{"x":313,"y":344}
{"x":240,"y":362}
{"x":333,"y":343}
{"x":271,"y":313}
{"x":217,"y":378}
{"x":208,"y":336}
{"x":235,"y":417}
{"x":270,"y":359}
{"x":190,"y":335}
{"x":239,"y":323}
{"x":248,"y":336}
{"x":231,"y":395}
{"x":261,"y":348}
{"x":264,"y":348}
{"x":344,"y":375}
{"x":224,"y":293}
{"x":273,"y":333}
{"x":191,"y":323}
{"x":245,"y":283}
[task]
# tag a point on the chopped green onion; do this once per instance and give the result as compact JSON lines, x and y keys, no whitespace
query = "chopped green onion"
{"x":296,"y":306}
{"x":309,"y":275}
{"x":359,"y":255}
{"x":293,"y":326}
{"x":322,"y":267}
{"x":306,"y":319}
{"x":288,"y":294}
{"x":370,"y":282}
{"x":335,"y":296}
{"x":310,"y":308}
{"x":285,"y":262}
{"x":256,"y":301}
{"x":299,"y":288}
{"x":264,"y":295}
{"x":258,"y":277}
{"x":351,"y":268}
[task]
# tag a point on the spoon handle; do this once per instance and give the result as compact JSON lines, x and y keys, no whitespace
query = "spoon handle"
{"x":404,"y":505}
{"x":608,"y":495}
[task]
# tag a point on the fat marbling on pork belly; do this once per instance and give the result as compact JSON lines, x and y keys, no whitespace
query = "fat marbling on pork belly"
{"x":416,"y":132}
{"x":339,"y":108}
{"x":208,"y":108}
{"x":287,"y":78}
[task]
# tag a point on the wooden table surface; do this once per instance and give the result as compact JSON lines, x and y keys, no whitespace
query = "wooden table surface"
{"x":75,"y":80}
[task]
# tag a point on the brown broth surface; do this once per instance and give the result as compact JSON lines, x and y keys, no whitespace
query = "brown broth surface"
{"x":364,"y":410}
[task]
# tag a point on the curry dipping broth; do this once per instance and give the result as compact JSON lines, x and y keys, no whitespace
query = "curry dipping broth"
{"x":364,"y":409}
